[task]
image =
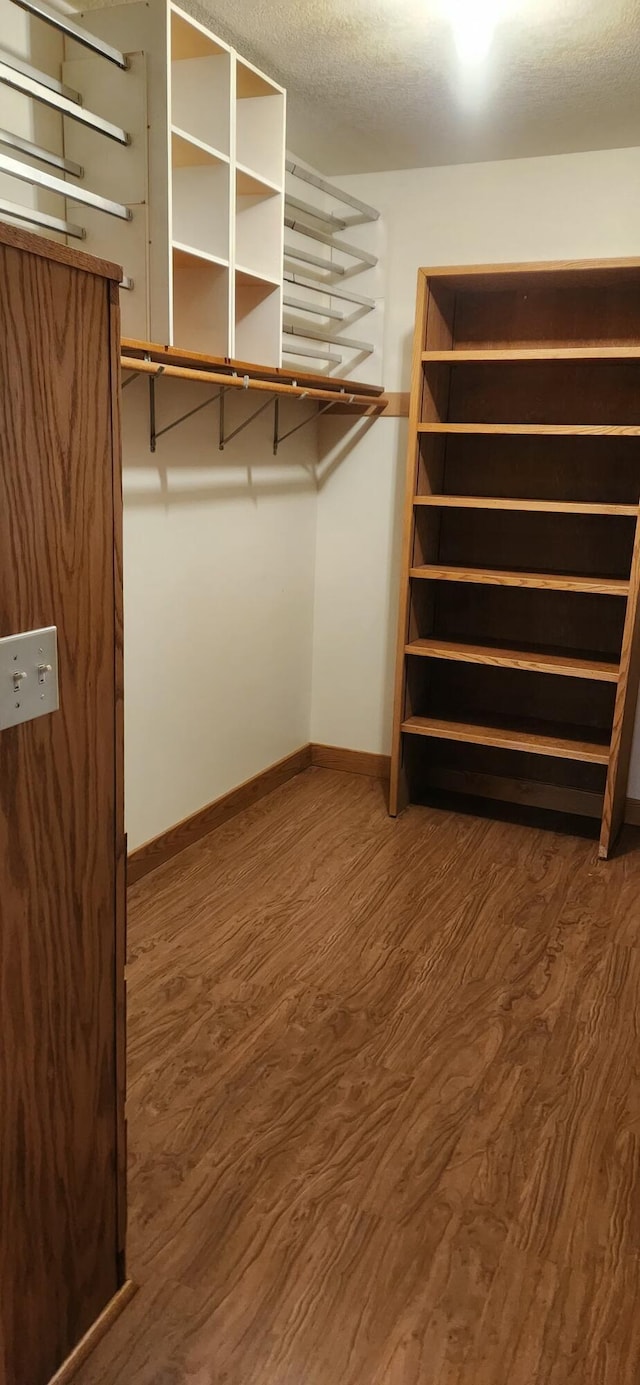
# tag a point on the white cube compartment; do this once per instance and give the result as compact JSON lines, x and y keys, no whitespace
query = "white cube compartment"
{"x":259,"y":216}
{"x":205,"y":244}
{"x":200,"y":203}
{"x":200,"y":83}
{"x":201,"y":303}
{"x":258,"y":318}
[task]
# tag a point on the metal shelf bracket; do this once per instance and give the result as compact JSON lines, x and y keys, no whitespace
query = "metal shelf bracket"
{"x":155,"y":433}
{"x":226,"y":437}
{"x":278,"y":437}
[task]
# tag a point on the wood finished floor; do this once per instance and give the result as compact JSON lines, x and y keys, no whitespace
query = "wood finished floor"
{"x":384,"y":1107}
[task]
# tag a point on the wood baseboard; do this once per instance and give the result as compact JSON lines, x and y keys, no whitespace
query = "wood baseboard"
{"x":154,"y":853}
{"x":160,"y":849}
{"x":69,"y":1368}
{"x":351,"y":761}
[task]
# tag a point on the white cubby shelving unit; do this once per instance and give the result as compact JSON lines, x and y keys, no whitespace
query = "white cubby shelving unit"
{"x":204,"y":173}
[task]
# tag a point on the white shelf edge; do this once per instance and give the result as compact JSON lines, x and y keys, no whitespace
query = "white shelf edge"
{"x":197,"y":254}
{"x":216,"y":154}
{"x":258,"y":275}
{"x":259,"y":177}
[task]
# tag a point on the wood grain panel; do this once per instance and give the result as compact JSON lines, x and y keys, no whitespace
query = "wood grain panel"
{"x":59,"y":1242}
{"x":57,"y":253}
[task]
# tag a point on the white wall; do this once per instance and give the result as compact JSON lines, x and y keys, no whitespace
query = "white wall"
{"x":219,"y":553}
{"x":568,"y":206}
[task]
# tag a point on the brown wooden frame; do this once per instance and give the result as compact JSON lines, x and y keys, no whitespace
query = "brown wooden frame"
{"x":544,"y":321}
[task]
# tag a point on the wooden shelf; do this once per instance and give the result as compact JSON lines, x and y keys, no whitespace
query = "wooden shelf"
{"x":538,"y":353}
{"x":510,"y":577}
{"x":509,"y":738}
{"x":559,"y":430}
{"x":565,"y":665}
{"x":235,"y":375}
{"x":174,"y":356}
{"x":556,"y":507}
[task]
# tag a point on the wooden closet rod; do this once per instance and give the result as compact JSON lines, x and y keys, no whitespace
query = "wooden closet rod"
{"x":240,"y":382}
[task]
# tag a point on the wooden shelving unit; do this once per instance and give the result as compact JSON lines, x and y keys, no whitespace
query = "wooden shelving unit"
{"x":518,"y":654}
{"x":203,"y":176}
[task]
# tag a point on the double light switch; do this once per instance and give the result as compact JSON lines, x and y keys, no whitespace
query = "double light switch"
{"x":28,"y":676}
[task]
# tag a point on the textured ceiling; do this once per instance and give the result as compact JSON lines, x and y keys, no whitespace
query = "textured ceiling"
{"x":379,"y":84}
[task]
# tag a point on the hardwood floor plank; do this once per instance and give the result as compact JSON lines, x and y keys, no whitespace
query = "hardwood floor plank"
{"x":383,"y":1103}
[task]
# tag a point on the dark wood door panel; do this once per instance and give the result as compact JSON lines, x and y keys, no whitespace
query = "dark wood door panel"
{"x":58,"y":1246}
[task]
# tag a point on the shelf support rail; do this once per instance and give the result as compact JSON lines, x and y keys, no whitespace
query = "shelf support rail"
{"x":279,"y":437}
{"x":363,"y":210}
{"x":154,"y":432}
{"x":67,"y":26}
{"x":39,"y":178}
{"x":225,"y":438}
{"x":31,"y":82}
{"x":34,"y":217}
{"x":327,"y":238}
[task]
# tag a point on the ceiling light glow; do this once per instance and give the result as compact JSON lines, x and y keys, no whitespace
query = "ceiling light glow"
{"x":474,"y":23}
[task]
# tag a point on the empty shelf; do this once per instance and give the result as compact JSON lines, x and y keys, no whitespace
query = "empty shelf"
{"x":187,"y":151}
{"x":559,"y":430}
{"x":503,"y":577}
{"x":252,"y":184}
{"x":557,"y":507}
{"x":567,"y":665}
{"x":538,"y":353}
{"x":185,"y":256}
{"x":507,"y":737}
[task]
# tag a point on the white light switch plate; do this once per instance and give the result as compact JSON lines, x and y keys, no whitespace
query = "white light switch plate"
{"x":28,"y":676}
